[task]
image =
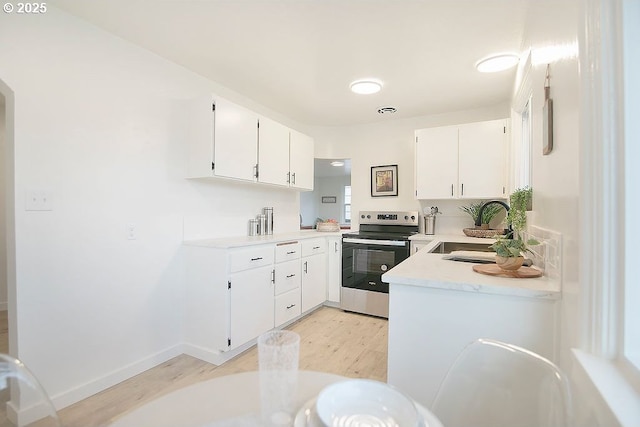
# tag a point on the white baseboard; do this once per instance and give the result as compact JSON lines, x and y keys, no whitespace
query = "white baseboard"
{"x":77,"y":394}
{"x":215,"y":357}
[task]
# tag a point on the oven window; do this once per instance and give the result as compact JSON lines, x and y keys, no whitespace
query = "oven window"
{"x":372,"y":261}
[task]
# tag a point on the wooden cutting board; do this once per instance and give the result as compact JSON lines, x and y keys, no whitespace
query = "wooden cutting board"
{"x":494,"y":270}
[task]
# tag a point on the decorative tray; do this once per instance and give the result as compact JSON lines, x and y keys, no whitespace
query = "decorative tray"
{"x":479,"y":232}
{"x":328,"y":226}
{"x":494,"y":270}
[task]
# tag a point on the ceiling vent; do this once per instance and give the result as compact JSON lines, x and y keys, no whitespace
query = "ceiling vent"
{"x":387,"y":110}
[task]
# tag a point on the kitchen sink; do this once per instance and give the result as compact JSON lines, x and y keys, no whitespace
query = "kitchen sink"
{"x":448,"y":247}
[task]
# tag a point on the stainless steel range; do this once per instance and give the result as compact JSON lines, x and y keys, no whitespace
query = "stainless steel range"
{"x":381,"y":244}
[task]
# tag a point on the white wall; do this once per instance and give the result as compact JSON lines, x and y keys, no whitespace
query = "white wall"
{"x":555,"y":179}
{"x":97,"y":126}
{"x":390,"y":143}
{"x":3,"y":206}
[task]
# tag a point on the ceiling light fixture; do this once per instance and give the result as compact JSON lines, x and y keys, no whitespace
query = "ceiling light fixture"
{"x":337,"y":163}
{"x":366,"y":87}
{"x":495,"y":63}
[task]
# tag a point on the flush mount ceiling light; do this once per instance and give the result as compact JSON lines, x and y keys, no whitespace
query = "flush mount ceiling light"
{"x":366,"y":87}
{"x":496,"y":63}
{"x":337,"y":163}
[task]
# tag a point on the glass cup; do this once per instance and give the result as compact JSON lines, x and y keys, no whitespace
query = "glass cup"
{"x":278,"y":355}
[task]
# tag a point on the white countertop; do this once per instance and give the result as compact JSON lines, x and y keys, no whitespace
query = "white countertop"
{"x":239,"y":241}
{"x":429,"y":270}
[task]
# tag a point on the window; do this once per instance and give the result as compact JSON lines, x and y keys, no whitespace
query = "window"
{"x":521,"y":129}
{"x":524,"y":178}
{"x":347,"y":203}
{"x":631,"y":322}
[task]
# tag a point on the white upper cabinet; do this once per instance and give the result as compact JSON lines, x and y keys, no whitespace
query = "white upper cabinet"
{"x":223,"y":139}
{"x":301,"y":161}
{"x":482,"y":150}
{"x":436,"y":162}
{"x":235,"y":141}
{"x":273,"y":152}
{"x":229,"y":141}
{"x":462,"y":161}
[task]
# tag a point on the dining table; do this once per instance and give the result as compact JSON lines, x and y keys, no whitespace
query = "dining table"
{"x":233,"y":401}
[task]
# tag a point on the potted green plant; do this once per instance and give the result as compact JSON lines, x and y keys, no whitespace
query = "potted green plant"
{"x":487,"y":215}
{"x":509,"y":248}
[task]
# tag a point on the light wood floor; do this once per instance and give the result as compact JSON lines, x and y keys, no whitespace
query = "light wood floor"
{"x":331,"y":340}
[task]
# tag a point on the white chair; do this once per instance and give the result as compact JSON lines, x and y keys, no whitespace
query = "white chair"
{"x":495,"y":384}
{"x":23,"y":401}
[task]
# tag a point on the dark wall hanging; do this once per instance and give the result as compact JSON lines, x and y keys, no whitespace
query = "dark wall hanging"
{"x":384,"y":180}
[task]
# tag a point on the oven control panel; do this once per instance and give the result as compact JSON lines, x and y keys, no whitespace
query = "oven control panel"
{"x":391,"y":218}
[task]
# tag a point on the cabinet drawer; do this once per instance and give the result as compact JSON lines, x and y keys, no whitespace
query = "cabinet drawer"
{"x":244,"y":259}
{"x":313,"y":246}
{"x":287,"y":251}
{"x":287,"y":306}
{"x":287,"y":276}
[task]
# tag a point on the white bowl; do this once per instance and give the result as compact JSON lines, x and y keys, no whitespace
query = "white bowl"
{"x":365,"y":403}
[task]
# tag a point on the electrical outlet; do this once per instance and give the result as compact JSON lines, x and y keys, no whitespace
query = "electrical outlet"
{"x":38,"y":200}
{"x":132,"y":232}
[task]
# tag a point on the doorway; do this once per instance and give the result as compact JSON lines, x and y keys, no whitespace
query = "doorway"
{"x":4,"y":318}
{"x":331,"y":195}
{"x":8,"y":329}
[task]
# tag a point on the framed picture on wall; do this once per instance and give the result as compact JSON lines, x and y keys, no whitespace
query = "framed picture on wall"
{"x":384,"y":180}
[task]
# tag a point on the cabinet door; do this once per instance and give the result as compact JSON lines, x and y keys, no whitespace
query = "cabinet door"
{"x":235,"y":141}
{"x":273,"y":152}
{"x":301,"y":161}
{"x":416,"y":246}
{"x":334,"y":269}
{"x":437,"y":163}
{"x":251,"y":305}
{"x":482,"y":159}
{"x":199,"y":147}
{"x":314,"y":281}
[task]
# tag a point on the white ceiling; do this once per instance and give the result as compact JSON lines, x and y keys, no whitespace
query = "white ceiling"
{"x":324,"y":169}
{"x":297,"y":57}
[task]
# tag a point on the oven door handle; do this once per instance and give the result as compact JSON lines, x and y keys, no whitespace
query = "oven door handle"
{"x":376,"y":242}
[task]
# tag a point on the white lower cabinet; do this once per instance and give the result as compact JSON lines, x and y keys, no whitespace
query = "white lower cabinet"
{"x":228,"y":296}
{"x":250,"y":314}
{"x":334,"y":268}
{"x":314,"y":273}
{"x":232,"y":295}
{"x":417,"y":245}
{"x":288,"y":277}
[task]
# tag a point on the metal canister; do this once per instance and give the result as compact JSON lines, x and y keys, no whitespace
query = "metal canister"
{"x":430,"y":221}
{"x":429,"y":224}
{"x":253,"y":227}
{"x":262,"y":224}
{"x":268,"y":212}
